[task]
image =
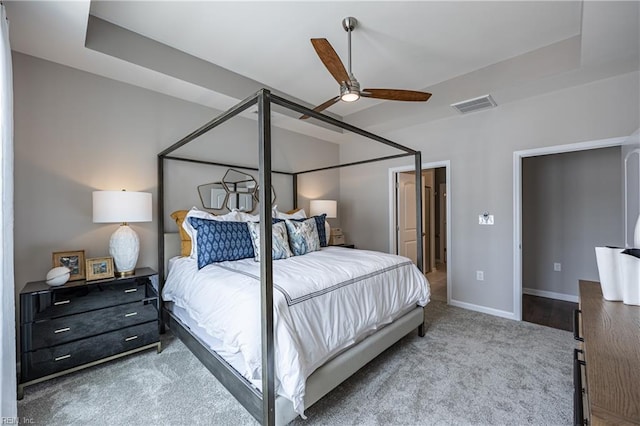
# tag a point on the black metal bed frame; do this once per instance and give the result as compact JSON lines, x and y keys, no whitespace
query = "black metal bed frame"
{"x":262,"y":404}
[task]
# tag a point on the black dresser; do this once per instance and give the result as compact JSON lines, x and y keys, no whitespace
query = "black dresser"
{"x":84,"y":323}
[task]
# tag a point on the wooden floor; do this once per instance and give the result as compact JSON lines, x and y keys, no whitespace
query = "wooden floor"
{"x":438,"y":282}
{"x":550,"y":312}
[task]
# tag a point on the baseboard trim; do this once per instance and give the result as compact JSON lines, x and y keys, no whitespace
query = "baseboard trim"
{"x":550,"y":295}
{"x":483,"y":309}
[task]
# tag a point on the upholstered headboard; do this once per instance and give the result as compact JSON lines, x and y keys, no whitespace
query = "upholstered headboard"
{"x":171,"y":248}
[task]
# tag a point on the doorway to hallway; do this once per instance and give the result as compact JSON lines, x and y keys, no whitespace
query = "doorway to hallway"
{"x":435,"y":214}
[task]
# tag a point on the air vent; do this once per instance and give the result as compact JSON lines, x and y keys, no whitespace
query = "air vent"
{"x":475,"y":104}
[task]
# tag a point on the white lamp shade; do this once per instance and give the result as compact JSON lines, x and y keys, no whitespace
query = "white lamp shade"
{"x":121,"y":206}
{"x":318,"y":207}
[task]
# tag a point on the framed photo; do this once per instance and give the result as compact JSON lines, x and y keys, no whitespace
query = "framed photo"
{"x":74,"y":260}
{"x":99,"y":268}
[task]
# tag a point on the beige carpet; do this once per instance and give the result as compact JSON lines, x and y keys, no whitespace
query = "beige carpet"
{"x":470,"y":369}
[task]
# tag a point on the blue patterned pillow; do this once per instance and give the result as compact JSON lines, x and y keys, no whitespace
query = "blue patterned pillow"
{"x":279,"y":240}
{"x":303,"y":236}
{"x":219,"y":241}
{"x":322,"y":231}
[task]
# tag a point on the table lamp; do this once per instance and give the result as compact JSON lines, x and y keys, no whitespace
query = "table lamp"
{"x":318,"y":207}
{"x":123,"y":207}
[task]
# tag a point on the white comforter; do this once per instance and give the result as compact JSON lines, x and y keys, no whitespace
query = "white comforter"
{"x":323,"y":303}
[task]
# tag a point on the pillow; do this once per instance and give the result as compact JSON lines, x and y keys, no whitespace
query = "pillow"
{"x":321,"y":224}
{"x":327,"y":234}
{"x":218,"y":241}
{"x":297,"y":214}
{"x":294,"y":211}
{"x":303,"y":236}
{"x":279,"y":240}
{"x":324,"y":230}
{"x":185,"y":239}
{"x":189,"y":229}
{"x":247,"y":217}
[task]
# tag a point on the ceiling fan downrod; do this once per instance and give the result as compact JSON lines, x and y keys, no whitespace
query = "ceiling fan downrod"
{"x":349,"y":24}
{"x":350,"y":91}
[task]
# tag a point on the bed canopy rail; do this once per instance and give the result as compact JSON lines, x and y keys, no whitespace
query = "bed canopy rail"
{"x":262,"y":404}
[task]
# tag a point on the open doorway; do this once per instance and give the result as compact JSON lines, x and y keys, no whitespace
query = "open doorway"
{"x":554,"y":238}
{"x":435,"y":214}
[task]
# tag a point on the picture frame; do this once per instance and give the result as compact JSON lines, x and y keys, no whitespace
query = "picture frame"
{"x":99,"y":268}
{"x":74,"y":260}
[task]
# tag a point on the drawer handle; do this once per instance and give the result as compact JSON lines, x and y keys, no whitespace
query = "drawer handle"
{"x":130,"y":314}
{"x":128,"y":339}
{"x":62,"y":302}
{"x":578,"y":404}
{"x":130,"y":290}
{"x":62,"y":330}
{"x":576,"y":325}
{"x":60,"y":358}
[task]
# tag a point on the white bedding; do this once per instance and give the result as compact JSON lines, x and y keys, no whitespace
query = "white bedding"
{"x":324,"y":302}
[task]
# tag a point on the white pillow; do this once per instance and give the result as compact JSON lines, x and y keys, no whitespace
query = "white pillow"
{"x":232,"y":216}
{"x":327,"y":231}
{"x":247,"y":217}
{"x":300,"y":214}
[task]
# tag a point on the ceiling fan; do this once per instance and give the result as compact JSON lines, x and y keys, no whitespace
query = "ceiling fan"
{"x":350,"y":87}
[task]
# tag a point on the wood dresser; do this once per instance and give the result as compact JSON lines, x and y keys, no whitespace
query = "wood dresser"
{"x":607,"y":366}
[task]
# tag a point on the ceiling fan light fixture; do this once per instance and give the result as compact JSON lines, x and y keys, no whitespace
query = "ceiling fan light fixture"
{"x":349,"y":94}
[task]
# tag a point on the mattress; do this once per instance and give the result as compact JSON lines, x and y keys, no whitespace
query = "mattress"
{"x":324,"y":302}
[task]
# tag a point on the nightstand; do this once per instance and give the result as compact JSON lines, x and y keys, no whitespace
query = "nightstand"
{"x":85,"y":323}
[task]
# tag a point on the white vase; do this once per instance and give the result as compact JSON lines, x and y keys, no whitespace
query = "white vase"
{"x":630,"y":276}
{"x":608,"y":259}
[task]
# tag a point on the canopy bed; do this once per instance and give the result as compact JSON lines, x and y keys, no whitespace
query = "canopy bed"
{"x":302,"y":290}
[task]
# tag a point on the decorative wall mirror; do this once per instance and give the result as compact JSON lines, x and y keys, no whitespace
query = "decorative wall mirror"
{"x":273,"y":195}
{"x":213,"y":195}
{"x":240,"y":187}
{"x":237,"y":190}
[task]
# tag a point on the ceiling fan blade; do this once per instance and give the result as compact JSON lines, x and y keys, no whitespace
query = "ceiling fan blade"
{"x":322,"y":106}
{"x":330,"y":59}
{"x":396,"y":95}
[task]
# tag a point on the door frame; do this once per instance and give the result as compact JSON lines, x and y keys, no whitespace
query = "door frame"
{"x":517,"y":203}
{"x":393,"y":215}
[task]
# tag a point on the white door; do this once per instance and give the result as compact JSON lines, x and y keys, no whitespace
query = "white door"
{"x":406,"y":213}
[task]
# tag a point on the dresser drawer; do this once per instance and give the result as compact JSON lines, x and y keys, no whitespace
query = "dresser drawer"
{"x":61,"y":330}
{"x":51,"y":360}
{"x":68,"y":301}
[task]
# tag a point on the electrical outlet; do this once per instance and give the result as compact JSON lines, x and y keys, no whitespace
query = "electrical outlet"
{"x":557,"y":267}
{"x":480,"y":275}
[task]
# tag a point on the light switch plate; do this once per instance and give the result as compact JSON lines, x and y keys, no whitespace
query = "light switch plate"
{"x":485,"y":220}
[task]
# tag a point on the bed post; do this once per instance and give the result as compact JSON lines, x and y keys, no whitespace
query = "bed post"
{"x":160,"y":199}
{"x":294,"y":179}
{"x":266,"y":261}
{"x":419,"y":230}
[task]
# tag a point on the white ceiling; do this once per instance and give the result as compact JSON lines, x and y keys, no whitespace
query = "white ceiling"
{"x":419,"y":45}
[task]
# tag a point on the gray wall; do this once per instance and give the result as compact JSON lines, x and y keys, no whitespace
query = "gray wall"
{"x":480,"y":147}
{"x":571,"y":203}
{"x":76,"y":132}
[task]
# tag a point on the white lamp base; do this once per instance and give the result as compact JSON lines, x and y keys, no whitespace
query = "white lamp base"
{"x":124,"y":247}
